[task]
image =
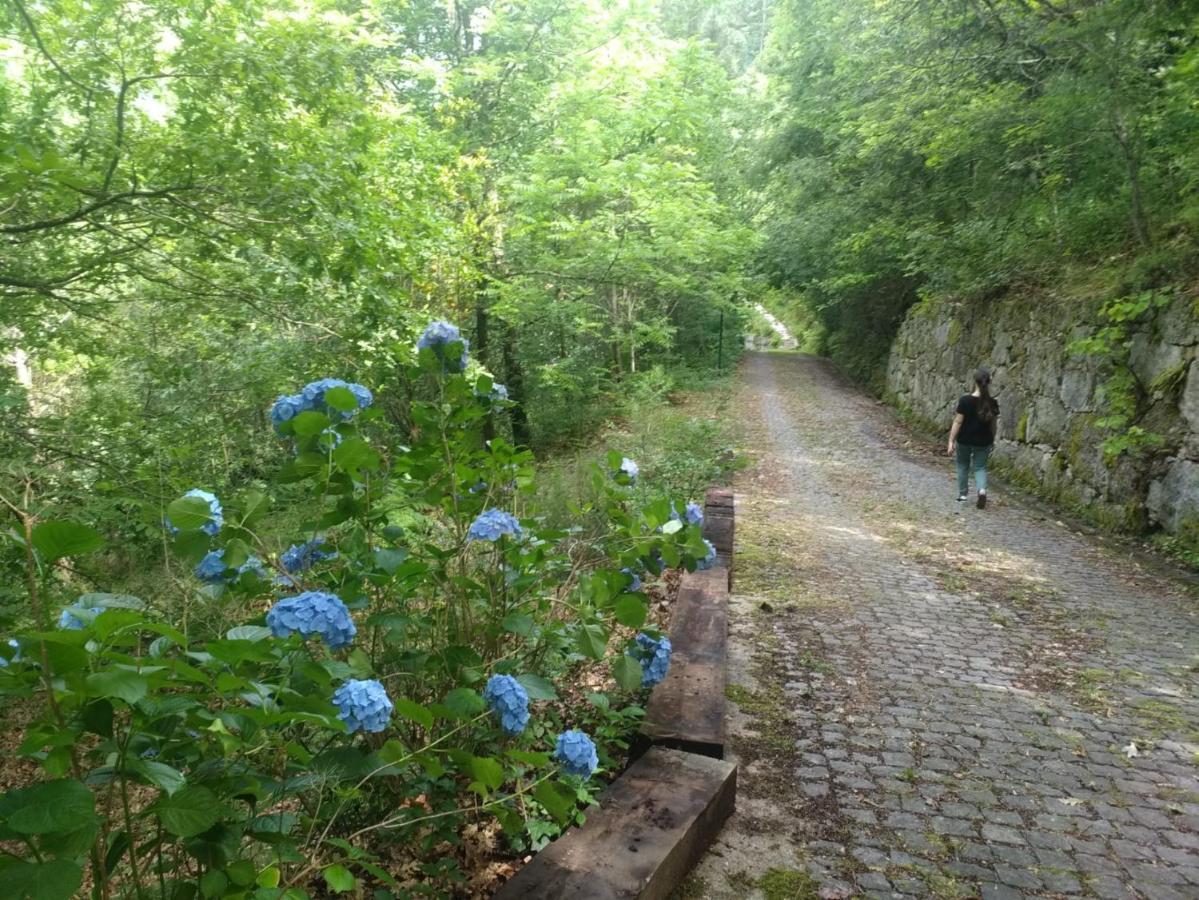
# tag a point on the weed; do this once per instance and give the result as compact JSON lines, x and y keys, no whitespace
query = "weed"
{"x":788,"y":884}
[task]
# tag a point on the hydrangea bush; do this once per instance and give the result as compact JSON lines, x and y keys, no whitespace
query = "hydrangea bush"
{"x":349,"y":685}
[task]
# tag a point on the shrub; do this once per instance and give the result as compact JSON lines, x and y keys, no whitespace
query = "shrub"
{"x":397,"y":670}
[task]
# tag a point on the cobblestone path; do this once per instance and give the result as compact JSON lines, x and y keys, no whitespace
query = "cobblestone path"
{"x":935,"y":701}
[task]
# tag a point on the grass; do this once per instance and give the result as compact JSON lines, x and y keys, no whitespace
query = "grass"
{"x":788,"y":884}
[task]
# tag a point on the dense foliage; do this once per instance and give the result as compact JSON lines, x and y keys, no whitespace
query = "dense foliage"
{"x":397,"y":669}
{"x":200,"y":201}
{"x":973,"y":147}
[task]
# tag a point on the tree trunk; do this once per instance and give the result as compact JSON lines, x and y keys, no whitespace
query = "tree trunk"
{"x":521,"y":434}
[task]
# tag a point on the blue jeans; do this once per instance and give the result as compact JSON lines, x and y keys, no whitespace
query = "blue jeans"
{"x":972,"y":457}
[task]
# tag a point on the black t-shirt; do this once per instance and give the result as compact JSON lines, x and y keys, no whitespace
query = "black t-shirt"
{"x":974,"y":431}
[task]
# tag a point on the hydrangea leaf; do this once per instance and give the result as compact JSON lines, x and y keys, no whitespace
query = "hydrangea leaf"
{"x":674,"y":526}
{"x":341,"y":399}
{"x":487,"y":771}
{"x":340,"y":879}
{"x":56,"y":540}
{"x":248,"y":633}
{"x":159,"y":774}
{"x":537,"y":687}
{"x":627,"y":672}
{"x":119,"y":683}
{"x":309,"y":423}
{"x":591,"y":640}
{"x":558,"y":800}
{"x":464,"y":702}
{"x":353,"y":455}
{"x":518,"y":623}
{"x":414,"y":712}
{"x":189,"y":513}
{"x":190,"y":811}
{"x":389,"y":559}
{"x":631,"y":611}
{"x":49,"y":807}
{"x":536,"y":759}
{"x":57,"y":879}
{"x":191,"y":546}
{"x":111,"y":601}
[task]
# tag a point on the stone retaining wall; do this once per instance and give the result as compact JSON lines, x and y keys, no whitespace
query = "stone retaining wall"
{"x":1049,"y":438}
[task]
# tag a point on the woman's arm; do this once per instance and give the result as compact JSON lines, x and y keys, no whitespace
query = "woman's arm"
{"x":953,"y":432}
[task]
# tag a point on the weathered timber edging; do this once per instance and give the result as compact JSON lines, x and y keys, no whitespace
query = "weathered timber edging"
{"x":656,"y":820}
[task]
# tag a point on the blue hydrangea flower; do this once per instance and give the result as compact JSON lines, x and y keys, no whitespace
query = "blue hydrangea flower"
{"x":16,"y":657}
{"x":635,"y":583}
{"x":492,"y":524}
{"x":478,"y":487}
{"x":654,"y":656}
{"x":499,"y":392}
{"x":299,"y":557}
{"x":362,"y":394}
{"x":629,"y":468}
{"x":253,"y":564}
{"x":286,"y":408}
{"x":694,"y":514}
{"x":710,"y":559}
{"x":216,"y":514}
{"x":330,"y":439}
{"x":311,"y":398}
{"x":577,"y":753}
{"x":363,"y":705}
{"x":71,"y":622}
{"x":313,"y":612}
{"x":509,"y":701}
{"x":211,"y":569}
{"x":437,"y":335}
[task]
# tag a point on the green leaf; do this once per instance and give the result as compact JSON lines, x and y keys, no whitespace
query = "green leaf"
{"x":674,"y":526}
{"x":487,"y":771}
{"x":190,"y":811}
{"x":530,"y":758}
{"x":627,"y":672}
{"x":414,"y":712}
{"x":631,"y":610}
{"x":111,"y":601}
{"x":537,"y":687}
{"x":340,"y":879}
{"x":341,"y":399}
{"x":558,"y":800}
{"x":389,"y":559}
{"x":55,"y":540}
{"x":591,"y":640}
{"x":518,"y":623}
{"x":248,"y":633}
{"x":254,"y":507}
{"x":354,"y":454}
{"x":308,"y":423}
{"x":189,"y":513}
{"x":464,"y":702}
{"x":120,"y":683}
{"x":58,"y":879}
{"x":52,"y":806}
{"x":159,"y":774}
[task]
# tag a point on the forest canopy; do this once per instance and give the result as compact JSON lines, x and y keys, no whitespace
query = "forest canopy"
{"x":966,"y":148}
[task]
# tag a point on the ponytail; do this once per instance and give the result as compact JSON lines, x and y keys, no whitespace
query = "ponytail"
{"x":985,"y":406}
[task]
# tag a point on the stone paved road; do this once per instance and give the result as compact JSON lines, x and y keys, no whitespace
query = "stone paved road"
{"x":934,"y":701}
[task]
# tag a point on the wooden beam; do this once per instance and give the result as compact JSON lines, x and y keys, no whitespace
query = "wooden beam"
{"x":651,"y":828}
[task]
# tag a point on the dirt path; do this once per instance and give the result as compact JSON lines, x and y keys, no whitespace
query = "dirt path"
{"x":936,"y":701}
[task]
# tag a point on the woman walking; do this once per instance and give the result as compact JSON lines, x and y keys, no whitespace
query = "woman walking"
{"x":972,"y":436}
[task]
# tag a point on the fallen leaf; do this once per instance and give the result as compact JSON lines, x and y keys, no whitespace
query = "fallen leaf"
{"x":1070,"y":801}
